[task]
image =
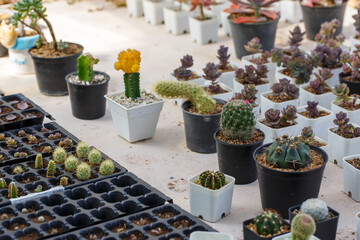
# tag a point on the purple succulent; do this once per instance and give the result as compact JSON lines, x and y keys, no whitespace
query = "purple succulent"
{"x":289,"y":113}
{"x":10,"y":117}
{"x":326,"y":34}
{"x":272,"y":117}
{"x":223,"y":57}
{"x":295,"y":38}
{"x":182,"y":73}
{"x":277,"y":88}
{"x":251,"y":75}
{"x":254,"y":46}
{"x":187,"y":61}
{"x":312,"y":109}
{"x":211,"y":72}
{"x":329,"y":57}
{"x":341,"y":119}
{"x":293,"y":91}
{"x":307,"y":135}
{"x":22,"y":105}
{"x":357,"y":131}
{"x":247,"y":93}
{"x":284,"y":90}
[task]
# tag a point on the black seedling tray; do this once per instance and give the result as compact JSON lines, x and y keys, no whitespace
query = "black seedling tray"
{"x":83,"y":206}
{"x":9,"y":105}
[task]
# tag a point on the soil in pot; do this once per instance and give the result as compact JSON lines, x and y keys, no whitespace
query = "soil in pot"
{"x":142,"y":221}
{"x":11,"y":118}
{"x":354,"y":162}
{"x":316,"y":143}
{"x":165,"y":215}
{"x":55,"y":230}
{"x":326,"y":90}
{"x":228,"y":68}
{"x":40,"y":149}
{"x":29,"y":236}
{"x":36,"y":219}
{"x":282,"y":124}
{"x":218,"y":90}
{"x":256,"y":137}
{"x":192,"y":77}
{"x":46,"y":51}
{"x":181,"y":224}
{"x":22,"y":105}
{"x":4,"y":110}
{"x":158,"y":231}
{"x":33,"y":115}
{"x":134,"y":236}
{"x":6,"y":216}
{"x":278,"y":99}
{"x":121,"y":227}
{"x":193,"y":109}
{"x":97,"y":234}
{"x":16,"y":226}
{"x":283,"y":229}
{"x":307,"y":114}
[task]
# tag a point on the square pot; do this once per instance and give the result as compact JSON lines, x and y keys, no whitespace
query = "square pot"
{"x":287,"y":236}
{"x":204,"y":32}
{"x":353,"y":115}
{"x":334,"y":80}
{"x":212,"y":205}
{"x":290,"y":11}
{"x":176,"y":22}
{"x":135,"y":8}
{"x":351,"y":178}
{"x":319,"y":125}
{"x":267,"y":103}
{"x":324,"y":100}
{"x":153,"y":11}
{"x":261,"y":88}
{"x":227,"y":78}
{"x":225,"y":23}
{"x":250,"y":235}
{"x":354,"y":42}
{"x":216,"y":9}
{"x":246,"y":61}
{"x":358,"y":225}
{"x":339,"y":147}
{"x":272,"y":133}
{"x":279,"y":75}
{"x":210,"y":235}
{"x":137,"y":123}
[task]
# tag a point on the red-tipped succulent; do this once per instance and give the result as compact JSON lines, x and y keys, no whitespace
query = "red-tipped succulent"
{"x":312,"y":109}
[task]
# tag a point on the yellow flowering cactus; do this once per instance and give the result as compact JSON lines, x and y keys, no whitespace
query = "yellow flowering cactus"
{"x":129,"y":63}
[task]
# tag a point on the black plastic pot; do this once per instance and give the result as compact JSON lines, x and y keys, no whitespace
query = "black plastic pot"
{"x":51,"y":72}
{"x":250,"y":235}
{"x":325,"y":229}
{"x":3,"y":51}
{"x":280,"y":190}
{"x":87,"y":101}
{"x":315,"y":16}
{"x":354,"y":87}
{"x":244,"y":32}
{"x":200,"y":129}
{"x":236,"y":160}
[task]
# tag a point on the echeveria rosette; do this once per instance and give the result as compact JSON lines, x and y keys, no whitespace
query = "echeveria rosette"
{"x":318,"y":85}
{"x":223,"y":57}
{"x":248,"y":93}
{"x":307,"y":135}
{"x":187,"y":61}
{"x":182,"y":73}
{"x":251,"y":75}
{"x":272,"y":117}
{"x":341,"y":119}
{"x":342,"y":93}
{"x":285,"y":90}
{"x":312,"y":108}
{"x":326,"y":35}
{"x":254,"y":46}
{"x":327,"y":57}
{"x":289,"y":114}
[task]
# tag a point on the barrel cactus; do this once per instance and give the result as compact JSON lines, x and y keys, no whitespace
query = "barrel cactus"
{"x":12,"y":190}
{"x":71,"y":163}
{"x":212,"y":180}
{"x":237,"y":120}
{"x":288,"y":153}
{"x":316,"y":208}
{"x":82,"y":150}
{"x":267,"y":223}
{"x":51,"y":169}
{"x":302,"y":227}
{"x":64,"y":181}
{"x":39,"y":163}
{"x":2,"y":183}
{"x":59,"y":155}
{"x":83,"y":172}
{"x":94,"y":157}
{"x":18,"y":169}
{"x":107,"y":167}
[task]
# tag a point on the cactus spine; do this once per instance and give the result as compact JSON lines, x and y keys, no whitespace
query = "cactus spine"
{"x":212,"y":180}
{"x":302,"y":227}
{"x":71,"y":163}
{"x":316,"y":208}
{"x":64,"y":181}
{"x":12,"y":191}
{"x":18,"y":169}
{"x":267,"y":222}
{"x":83,"y":172}
{"x":107,"y":167}
{"x":82,"y":150}
{"x":94,"y":157}
{"x":51,"y":169}
{"x":85,"y":64}
{"x":39,"y":163}
{"x":2,"y":183}
{"x":59,"y":155}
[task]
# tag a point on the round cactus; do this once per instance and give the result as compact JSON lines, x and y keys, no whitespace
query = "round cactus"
{"x":316,"y":208}
{"x":83,"y":172}
{"x":267,"y":223}
{"x":82,"y":150}
{"x":51,"y":169}
{"x":107,"y":167}
{"x":59,"y":155}
{"x":12,"y":190}
{"x":237,"y":120}
{"x":64,"y":181}
{"x":302,"y":227}
{"x":212,"y":180}
{"x":288,"y":153}
{"x":24,"y":210}
{"x":18,"y":169}
{"x":71,"y":163}
{"x":39,"y":163}
{"x":41,"y":219}
{"x":94,"y":157}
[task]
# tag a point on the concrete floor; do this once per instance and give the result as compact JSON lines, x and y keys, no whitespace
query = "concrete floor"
{"x":163,"y":161}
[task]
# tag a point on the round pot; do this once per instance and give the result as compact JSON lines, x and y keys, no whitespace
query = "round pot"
{"x":3,"y":51}
{"x":244,"y":32}
{"x":314,"y":17}
{"x":236,"y":160}
{"x":281,"y":190}
{"x":51,"y":73}
{"x":87,"y":101}
{"x":200,"y":129}
{"x":354,"y":87}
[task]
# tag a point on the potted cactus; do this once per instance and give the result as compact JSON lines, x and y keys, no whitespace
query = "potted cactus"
{"x":225,"y":67}
{"x":351,"y":174}
{"x":153,"y":11}
{"x":351,"y":73}
{"x":355,"y":40}
{"x":236,"y":140}
{"x":344,"y":139}
{"x":201,"y":113}
{"x":210,"y":195}
{"x":345,"y":103}
{"x":289,"y":172}
{"x":281,"y":95}
{"x":308,"y":136}
{"x":326,"y":218}
{"x":249,"y":94}
{"x":315,"y":116}
{"x":184,"y":73}
{"x":265,"y":225}
{"x":176,"y":19}
{"x":87,"y":88}
{"x":135,"y":111}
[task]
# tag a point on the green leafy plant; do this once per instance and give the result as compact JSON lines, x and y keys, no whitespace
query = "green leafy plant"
{"x":85,"y":65}
{"x":212,"y":180}
{"x":83,"y":172}
{"x":268,"y":223}
{"x":107,"y":167}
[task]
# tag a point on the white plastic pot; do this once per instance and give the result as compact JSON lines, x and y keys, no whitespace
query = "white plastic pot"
{"x":200,"y":81}
{"x":319,"y":125}
{"x":256,"y":110}
{"x":215,"y":10}
{"x":261,"y":88}
{"x":227,"y":78}
{"x":290,"y":11}
{"x":223,"y":96}
{"x":267,"y":103}
{"x":135,"y":8}
{"x":334,"y":80}
{"x":324,"y":100}
{"x":246,"y":61}
{"x":354,"y":42}
{"x":351,"y":180}
{"x":358,"y":225}
{"x":176,"y":22}
{"x":22,"y":62}
{"x":137,"y":123}
{"x":204,"y":32}
{"x":211,"y":205}
{"x":325,"y":148}
{"x":353,"y":115}
{"x":210,"y":236}
{"x":225,"y":23}
{"x":288,"y":237}
{"x":153,"y":11}
{"x":340,"y":147}
{"x":272,"y":133}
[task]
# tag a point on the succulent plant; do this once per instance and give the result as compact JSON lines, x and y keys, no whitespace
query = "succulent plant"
{"x":272,"y":117}
{"x":18,"y":169}
{"x":212,"y":73}
{"x":203,"y":102}
{"x":71,"y":163}
{"x":351,"y":68}
{"x":223,"y":57}
{"x":248,"y":93}
{"x":254,"y":46}
{"x":31,"y":138}
{"x":2,"y":183}
{"x":326,"y":57}
{"x":201,"y":4}
{"x":302,"y":227}
{"x":288,"y":153}
{"x":307,"y":135}
{"x":21,"y":133}
{"x":82,"y":150}
{"x":312,"y":109}
{"x":267,"y":223}
{"x":54,"y":136}
{"x":83,"y":172}
{"x":274,"y":120}
{"x":212,"y":180}
{"x":12,"y":190}
{"x":237,"y":120}
{"x":251,"y":75}
{"x":20,"y":154}
{"x":289,"y":113}
{"x":316,"y":208}
{"x":67,"y":142}
{"x":319,"y":85}
{"x":39,"y":188}
{"x":94,"y":157}
{"x":183,"y":72}
{"x":51,"y":169}
{"x":39,"y":163}
{"x":85,"y":66}
{"x":284,"y":90}
{"x":24,"y":210}
{"x":296,"y":37}
{"x":47,"y":149}
{"x":345,"y":129}
{"x":356,"y":17}
{"x":64,"y":181}
{"x":59,"y":155}
{"x":342,"y":93}
{"x":326,"y":35}
{"x":44,"y":129}
{"x":11,"y":143}
{"x":107,"y":167}
{"x":41,"y":219}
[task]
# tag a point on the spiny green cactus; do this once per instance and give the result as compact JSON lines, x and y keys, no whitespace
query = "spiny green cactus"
{"x":71,"y":163}
{"x":12,"y":190}
{"x":85,"y":64}
{"x":2,"y":183}
{"x":18,"y":169}
{"x":212,"y":180}
{"x":59,"y":155}
{"x":107,"y":167}
{"x":237,"y":120}
{"x":82,"y":150}
{"x":302,"y":227}
{"x":39,"y":188}
{"x":83,"y":172}
{"x":267,"y":223}
{"x":94,"y":157}
{"x":39,"y":163}
{"x":64,"y":181}
{"x":51,"y":169}
{"x":316,"y":208}
{"x":203,"y":102}
{"x":288,"y":153}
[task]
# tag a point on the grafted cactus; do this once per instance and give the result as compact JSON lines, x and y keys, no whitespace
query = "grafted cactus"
{"x":302,"y":227}
{"x":267,"y":223}
{"x":85,"y":64}
{"x":212,"y":180}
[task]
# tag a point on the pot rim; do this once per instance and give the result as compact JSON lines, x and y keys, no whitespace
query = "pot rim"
{"x":247,"y":221}
{"x":58,"y":57}
{"x":244,"y":145}
{"x":256,"y":24}
{"x":333,"y":211}
{"x":330,"y":113}
{"x":260,"y":119}
{"x":230,"y":184}
{"x":270,"y":93}
{"x":348,"y":158}
{"x":92,"y":85}
{"x":336,"y":6}
{"x":195,"y":114}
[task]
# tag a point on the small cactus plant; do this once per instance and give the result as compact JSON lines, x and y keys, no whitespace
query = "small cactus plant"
{"x":41,"y":219}
{"x":267,"y":223}
{"x":39,"y":163}
{"x":59,"y":155}
{"x":65,"y":143}
{"x":12,"y":190}
{"x":83,"y":172}
{"x":51,"y":169}
{"x":307,"y":135}
{"x":47,"y":149}
{"x":82,"y":150}
{"x":316,"y":208}
{"x":212,"y":180}
{"x":94,"y":157}
{"x":107,"y":167}
{"x":302,"y":227}
{"x":2,"y":183}
{"x":18,"y":169}
{"x":85,"y":64}
{"x":24,"y":210}
{"x":39,"y":188}
{"x":71,"y":163}
{"x":64,"y":181}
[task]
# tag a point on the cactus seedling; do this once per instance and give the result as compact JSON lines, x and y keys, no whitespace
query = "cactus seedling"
{"x":107,"y":167}
{"x":59,"y":155}
{"x":64,"y":181}
{"x":39,"y":188}
{"x":85,"y":64}
{"x":39,"y":163}
{"x":267,"y":223}
{"x":12,"y":190}
{"x":20,"y":154}
{"x":41,"y":219}
{"x":47,"y":149}
{"x":71,"y":163}
{"x":94,"y":157}
{"x":65,"y":143}
{"x":302,"y":227}
{"x":18,"y":170}
{"x":24,"y":210}
{"x":2,"y":183}
{"x":82,"y":150}
{"x":83,"y":172}
{"x":212,"y":180}
{"x":51,"y":169}
{"x":316,"y":208}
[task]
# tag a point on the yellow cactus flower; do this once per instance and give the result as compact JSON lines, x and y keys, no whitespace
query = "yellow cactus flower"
{"x":128,"y":61}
